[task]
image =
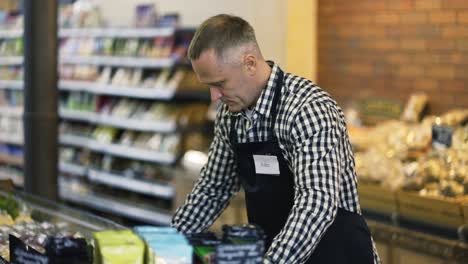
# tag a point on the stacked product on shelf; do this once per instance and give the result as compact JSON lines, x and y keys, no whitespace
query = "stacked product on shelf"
{"x":150,"y":244}
{"x":416,"y":168}
{"x":11,"y":99}
{"x":128,"y":100}
{"x":11,"y":135}
{"x":119,"y":102}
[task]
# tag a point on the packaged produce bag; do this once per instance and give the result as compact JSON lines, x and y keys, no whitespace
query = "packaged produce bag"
{"x":118,"y":247}
{"x":165,"y":245}
{"x":204,"y":247}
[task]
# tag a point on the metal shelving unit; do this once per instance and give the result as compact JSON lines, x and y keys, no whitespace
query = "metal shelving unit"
{"x":130,"y":184}
{"x":119,"y":61}
{"x":95,"y":175}
{"x":163,"y":93}
{"x":124,"y":123}
{"x":115,"y":206}
{"x":11,"y":84}
{"x":118,"y":150}
{"x":11,"y":60}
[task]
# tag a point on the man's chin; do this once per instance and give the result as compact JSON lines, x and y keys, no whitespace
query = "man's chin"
{"x":234,"y":109}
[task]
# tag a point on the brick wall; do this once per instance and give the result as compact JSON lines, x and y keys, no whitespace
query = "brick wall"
{"x":392,"y":48}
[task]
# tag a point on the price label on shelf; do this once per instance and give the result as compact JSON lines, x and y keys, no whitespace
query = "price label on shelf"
{"x":22,"y":253}
{"x":239,"y":253}
{"x":441,"y":137}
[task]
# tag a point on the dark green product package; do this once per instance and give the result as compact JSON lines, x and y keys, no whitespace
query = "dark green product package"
{"x":65,"y":250}
{"x":204,"y":247}
{"x":241,"y":244}
{"x":241,"y":234}
{"x":58,"y":250}
{"x":20,"y":253}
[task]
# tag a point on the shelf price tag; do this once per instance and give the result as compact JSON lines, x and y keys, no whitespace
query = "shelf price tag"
{"x":441,"y":136}
{"x":20,"y":253}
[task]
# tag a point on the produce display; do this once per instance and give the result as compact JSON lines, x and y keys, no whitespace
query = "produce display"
{"x":16,"y":220}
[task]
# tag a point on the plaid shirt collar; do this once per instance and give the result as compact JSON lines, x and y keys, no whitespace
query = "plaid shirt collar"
{"x":263,"y":105}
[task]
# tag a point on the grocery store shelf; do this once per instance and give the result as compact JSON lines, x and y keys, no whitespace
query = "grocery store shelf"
{"x":136,"y":62}
{"x":14,"y":140}
{"x":118,"y":150}
{"x":125,"y":123}
{"x":100,"y":32}
{"x":118,"y":207}
{"x":11,"y":111}
{"x":10,"y":33}
{"x":133,"y":92}
{"x":18,"y":180}
{"x":130,"y":184}
{"x":74,"y":169}
{"x":11,"y":84}
{"x":116,"y":32}
{"x":11,"y":160}
{"x":11,"y":60}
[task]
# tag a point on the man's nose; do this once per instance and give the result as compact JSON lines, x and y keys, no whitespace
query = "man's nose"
{"x":215,"y":94}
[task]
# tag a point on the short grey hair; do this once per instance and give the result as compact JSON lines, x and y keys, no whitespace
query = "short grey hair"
{"x":221,"y":32}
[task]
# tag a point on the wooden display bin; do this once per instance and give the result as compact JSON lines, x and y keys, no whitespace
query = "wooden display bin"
{"x":377,"y":198}
{"x":445,"y":212}
{"x":465,"y":209}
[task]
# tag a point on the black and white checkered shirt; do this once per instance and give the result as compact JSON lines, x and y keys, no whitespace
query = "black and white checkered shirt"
{"x":312,"y":134}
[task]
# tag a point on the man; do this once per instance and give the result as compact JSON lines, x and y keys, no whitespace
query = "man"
{"x":284,"y":140}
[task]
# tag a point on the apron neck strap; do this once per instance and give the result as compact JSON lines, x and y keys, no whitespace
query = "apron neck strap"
{"x":277,"y":95}
{"x":274,"y":107}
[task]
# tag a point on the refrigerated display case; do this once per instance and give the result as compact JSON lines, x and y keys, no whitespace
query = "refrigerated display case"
{"x":46,"y":210}
{"x":37,"y":220}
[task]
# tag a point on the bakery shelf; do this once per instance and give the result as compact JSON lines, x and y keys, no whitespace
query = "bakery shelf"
{"x":131,"y":184}
{"x":137,"y":62}
{"x":11,"y":60}
{"x":118,"y":150}
{"x":125,"y":123}
{"x":124,"y":91}
{"x":11,"y":84}
{"x":115,"y":206}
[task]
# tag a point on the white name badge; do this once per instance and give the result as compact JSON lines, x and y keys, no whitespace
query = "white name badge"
{"x":266,"y":164}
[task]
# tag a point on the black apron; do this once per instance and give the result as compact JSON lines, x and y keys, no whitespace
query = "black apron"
{"x":270,"y":197}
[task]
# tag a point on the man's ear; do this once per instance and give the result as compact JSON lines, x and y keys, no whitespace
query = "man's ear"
{"x":250,"y":63}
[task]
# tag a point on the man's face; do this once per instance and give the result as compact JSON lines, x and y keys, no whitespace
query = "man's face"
{"x":230,"y":82}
